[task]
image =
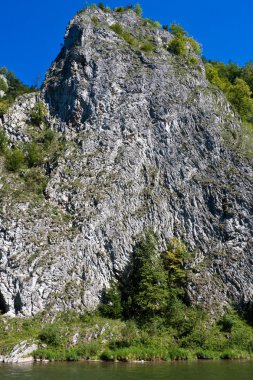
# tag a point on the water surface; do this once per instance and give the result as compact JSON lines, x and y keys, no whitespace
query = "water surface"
{"x":220,"y":370}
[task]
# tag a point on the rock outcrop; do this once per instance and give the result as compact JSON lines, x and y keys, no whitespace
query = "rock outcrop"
{"x":150,"y":144}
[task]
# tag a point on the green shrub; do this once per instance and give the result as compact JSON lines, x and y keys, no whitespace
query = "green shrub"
{"x":3,"y":141}
{"x":48,"y":137}
{"x":177,"y":30}
{"x":196,"y":47}
{"x":35,"y":181}
{"x":239,"y":96}
{"x":38,"y":114}
{"x":117,"y":28}
{"x":193,"y":61}
{"x":34,"y":154}
{"x":178,"y":46}
{"x":153,"y":24}
{"x":3,"y":85}
{"x":119,"y":9}
{"x":101,"y":6}
{"x":14,"y":159}
{"x":147,"y":46}
{"x":138,"y":9}
{"x":51,"y":335}
{"x":4,"y":106}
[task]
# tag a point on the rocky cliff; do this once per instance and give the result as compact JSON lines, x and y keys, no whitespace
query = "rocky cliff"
{"x":150,"y":144}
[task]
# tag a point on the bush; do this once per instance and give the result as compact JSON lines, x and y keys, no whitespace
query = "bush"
{"x":14,"y":159}
{"x":138,"y":9}
{"x":195,"y":45}
{"x":178,"y":46}
{"x":4,"y":106}
{"x":38,"y":114}
{"x":239,"y":96}
{"x":177,"y":30}
{"x":51,"y":335}
{"x":119,"y":9}
{"x":102,"y":6}
{"x":34,"y":154}
{"x":35,"y":181}
{"x":147,"y":47}
{"x":117,"y":28}
{"x":3,"y":141}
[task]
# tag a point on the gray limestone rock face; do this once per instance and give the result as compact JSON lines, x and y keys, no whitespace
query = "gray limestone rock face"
{"x":151,"y":145}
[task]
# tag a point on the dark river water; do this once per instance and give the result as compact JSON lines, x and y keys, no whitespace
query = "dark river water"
{"x":224,"y":370}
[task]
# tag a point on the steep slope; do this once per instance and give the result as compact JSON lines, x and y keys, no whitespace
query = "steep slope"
{"x":150,"y":145}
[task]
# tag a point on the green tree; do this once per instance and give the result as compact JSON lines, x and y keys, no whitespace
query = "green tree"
{"x":174,"y":260}
{"x":110,"y":306}
{"x":146,"y":295}
{"x":138,"y":9}
{"x":247,"y":75}
{"x":102,"y":6}
{"x":239,"y":96}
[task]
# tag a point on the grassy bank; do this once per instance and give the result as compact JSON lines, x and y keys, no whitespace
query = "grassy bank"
{"x":69,"y":336}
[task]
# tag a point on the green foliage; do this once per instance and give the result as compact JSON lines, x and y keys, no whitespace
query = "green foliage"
{"x":51,"y":335}
{"x":3,"y":85}
{"x":138,"y":9}
{"x":232,"y":80}
{"x":111,"y":302}
{"x":14,"y":159}
{"x":146,"y":295}
{"x":119,"y":9}
{"x":196,"y":47}
{"x":34,"y":154}
{"x":101,"y":6}
{"x":147,"y":46}
{"x":174,"y":260}
{"x":35,"y":181}
{"x":239,"y":95}
{"x":177,"y":30}
{"x":118,"y":29}
{"x":3,"y":141}
{"x":247,"y":74}
{"x":13,"y":90}
{"x":4,"y":106}
{"x":178,"y":46}
{"x":153,"y":24}
{"x":38,"y":114}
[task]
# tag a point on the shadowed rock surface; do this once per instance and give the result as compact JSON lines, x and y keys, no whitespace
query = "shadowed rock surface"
{"x":151,"y":144}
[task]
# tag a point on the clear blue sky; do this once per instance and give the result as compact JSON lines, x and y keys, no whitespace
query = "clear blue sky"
{"x":31,"y":31}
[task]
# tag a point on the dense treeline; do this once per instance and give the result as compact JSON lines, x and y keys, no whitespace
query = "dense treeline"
{"x":237,"y":84}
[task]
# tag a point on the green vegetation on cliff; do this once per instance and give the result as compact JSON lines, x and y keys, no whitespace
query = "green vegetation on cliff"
{"x":12,"y":89}
{"x":237,"y":84}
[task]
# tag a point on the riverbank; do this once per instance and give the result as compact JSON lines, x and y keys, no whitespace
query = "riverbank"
{"x":73,"y":337}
